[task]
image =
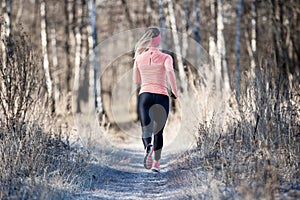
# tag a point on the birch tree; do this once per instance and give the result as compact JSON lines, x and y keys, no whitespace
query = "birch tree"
{"x":148,"y":18}
{"x":251,"y":46}
{"x":186,"y":25}
{"x":55,"y":64}
{"x":84,"y":26}
{"x":5,"y":43}
{"x":213,"y":50}
{"x":69,"y":44}
{"x":19,"y":12}
{"x":45,"y":53}
{"x":238,"y":50}
{"x":278,"y":38}
{"x":196,"y":30}
{"x":94,"y":63}
{"x":283,"y":45}
{"x":6,"y":10}
{"x":221,"y":46}
{"x":162,"y":21}
{"x":183,"y":82}
{"x":127,"y":13}
{"x":6,"y":28}
{"x":77,"y":62}
{"x":253,"y":39}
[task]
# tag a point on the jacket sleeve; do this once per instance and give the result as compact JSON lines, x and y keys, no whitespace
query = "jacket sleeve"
{"x":136,"y":73}
{"x":171,"y":75}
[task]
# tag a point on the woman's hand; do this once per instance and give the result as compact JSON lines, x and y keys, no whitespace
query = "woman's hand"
{"x":173,"y":95}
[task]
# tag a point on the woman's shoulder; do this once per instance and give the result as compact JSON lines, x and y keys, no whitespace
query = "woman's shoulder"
{"x":166,"y":54}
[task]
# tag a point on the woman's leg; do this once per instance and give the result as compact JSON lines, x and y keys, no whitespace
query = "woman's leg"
{"x":145,"y":103}
{"x":160,"y":115}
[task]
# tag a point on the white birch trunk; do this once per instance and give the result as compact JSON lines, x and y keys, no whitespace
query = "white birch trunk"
{"x":214,"y":51}
{"x":69,"y":44}
{"x":6,"y":9}
{"x":94,"y":63}
{"x":84,"y":31}
{"x":237,"y":51}
{"x":5,"y":33}
{"x":55,"y":64}
{"x":185,"y":20}
{"x":77,"y":59}
{"x":44,"y":49}
{"x":221,"y":47}
{"x":253,"y":40}
{"x":183,"y":82}
{"x":91,"y":67}
{"x":6,"y":28}
{"x":251,"y":48}
{"x":196,"y":31}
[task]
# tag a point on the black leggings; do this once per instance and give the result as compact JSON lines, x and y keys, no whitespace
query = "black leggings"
{"x":153,"y":111}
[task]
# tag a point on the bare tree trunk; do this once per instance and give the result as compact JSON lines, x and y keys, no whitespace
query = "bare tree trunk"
{"x":275,"y":31}
{"x":186,"y":25}
{"x":213,"y":48}
{"x":285,"y":54}
{"x":84,"y":31}
{"x":221,"y":47}
{"x":148,"y":18}
{"x":5,"y":34}
{"x":196,"y":31}
{"x":162,"y":21}
{"x":294,"y":41}
{"x":5,"y":29}
{"x":94,"y":63}
{"x":252,"y":47}
{"x":238,"y":51}
{"x":95,"y":67}
{"x":69,"y":43}
{"x":127,"y":12}
{"x":55,"y":64}
{"x":77,"y":63}
{"x":253,"y":40}
{"x":183,"y":82}
{"x":19,"y":12}
{"x":279,"y":43}
{"x":45,"y":54}
{"x":6,"y":10}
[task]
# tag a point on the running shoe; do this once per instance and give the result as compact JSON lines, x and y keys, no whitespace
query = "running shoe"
{"x":156,"y":166}
{"x":148,"y":157}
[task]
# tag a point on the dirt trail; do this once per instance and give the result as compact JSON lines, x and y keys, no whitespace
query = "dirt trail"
{"x":122,"y":176}
{"x":118,"y":172}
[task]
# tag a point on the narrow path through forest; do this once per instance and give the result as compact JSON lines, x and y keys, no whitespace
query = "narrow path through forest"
{"x":126,"y":178}
{"x":118,"y":171}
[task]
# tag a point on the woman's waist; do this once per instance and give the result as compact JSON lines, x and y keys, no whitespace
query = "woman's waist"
{"x":154,"y":88}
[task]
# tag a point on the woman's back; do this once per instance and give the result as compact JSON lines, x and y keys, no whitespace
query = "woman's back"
{"x":152,"y":68}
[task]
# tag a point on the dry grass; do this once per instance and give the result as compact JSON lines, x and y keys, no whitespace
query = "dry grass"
{"x":36,"y":160}
{"x":256,"y":153}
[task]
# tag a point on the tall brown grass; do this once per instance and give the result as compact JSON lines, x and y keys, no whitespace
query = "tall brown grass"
{"x":256,"y":153}
{"x":36,"y":160}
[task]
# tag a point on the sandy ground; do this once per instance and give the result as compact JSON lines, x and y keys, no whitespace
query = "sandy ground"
{"x":117,"y":172}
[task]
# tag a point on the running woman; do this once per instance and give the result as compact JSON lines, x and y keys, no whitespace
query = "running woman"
{"x":151,"y":69}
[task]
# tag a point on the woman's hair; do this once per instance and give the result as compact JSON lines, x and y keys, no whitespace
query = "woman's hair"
{"x":146,"y":40}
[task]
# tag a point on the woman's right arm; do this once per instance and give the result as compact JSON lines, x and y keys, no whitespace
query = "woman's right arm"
{"x":136,"y":73}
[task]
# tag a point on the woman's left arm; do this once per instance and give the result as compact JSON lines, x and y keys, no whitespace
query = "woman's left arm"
{"x":171,"y":75}
{"x":136,"y":73}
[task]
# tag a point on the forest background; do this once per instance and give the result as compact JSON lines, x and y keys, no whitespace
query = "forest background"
{"x":254,"y":48}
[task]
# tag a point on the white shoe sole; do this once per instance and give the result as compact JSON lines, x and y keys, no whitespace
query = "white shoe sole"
{"x":148,"y":161}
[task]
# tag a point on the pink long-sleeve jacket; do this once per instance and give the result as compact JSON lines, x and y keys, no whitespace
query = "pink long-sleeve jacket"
{"x":151,"y":69}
